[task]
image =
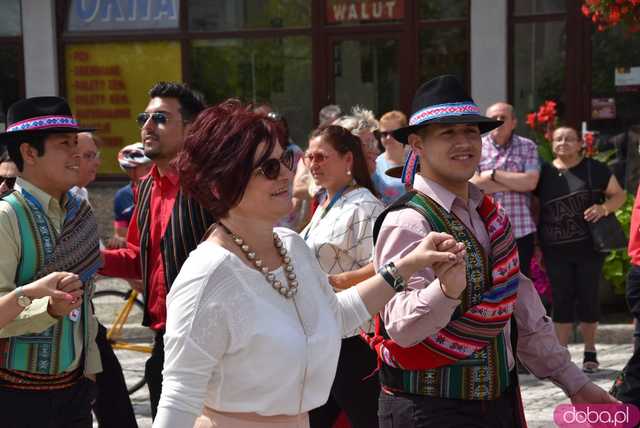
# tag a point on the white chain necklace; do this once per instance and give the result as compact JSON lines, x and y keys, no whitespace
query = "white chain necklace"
{"x":286,"y":292}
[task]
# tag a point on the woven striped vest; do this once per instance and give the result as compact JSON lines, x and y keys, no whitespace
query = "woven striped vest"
{"x":484,"y":375}
{"x":186,"y":228}
{"x":43,"y":251}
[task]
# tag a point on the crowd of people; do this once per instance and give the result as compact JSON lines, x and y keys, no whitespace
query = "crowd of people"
{"x":380,"y":274}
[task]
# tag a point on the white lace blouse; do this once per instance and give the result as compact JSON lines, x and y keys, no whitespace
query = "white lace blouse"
{"x":342,"y":239}
{"x":236,"y":345}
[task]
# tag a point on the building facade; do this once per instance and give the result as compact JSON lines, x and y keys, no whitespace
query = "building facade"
{"x":299,"y":55}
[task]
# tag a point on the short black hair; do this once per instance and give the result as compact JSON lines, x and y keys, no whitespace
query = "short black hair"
{"x":35,"y":141}
{"x":192,"y":102}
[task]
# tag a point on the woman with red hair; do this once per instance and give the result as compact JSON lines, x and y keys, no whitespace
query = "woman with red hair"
{"x":253,"y":326}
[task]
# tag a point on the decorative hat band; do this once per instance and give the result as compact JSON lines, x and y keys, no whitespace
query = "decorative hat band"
{"x":43,"y":122}
{"x":443,"y":110}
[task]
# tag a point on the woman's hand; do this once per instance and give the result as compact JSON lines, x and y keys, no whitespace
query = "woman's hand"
{"x":62,"y":286}
{"x":436,"y":248}
{"x":595,"y":212}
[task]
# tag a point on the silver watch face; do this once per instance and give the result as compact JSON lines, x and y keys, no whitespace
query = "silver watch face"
{"x":24,"y":301}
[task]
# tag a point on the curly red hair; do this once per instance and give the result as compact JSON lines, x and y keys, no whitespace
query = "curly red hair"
{"x":217,"y":160}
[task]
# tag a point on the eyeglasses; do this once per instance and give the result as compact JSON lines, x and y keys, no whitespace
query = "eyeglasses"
{"x":158,"y":118}
{"x":8,"y":182}
{"x":271,"y":167}
{"x":383,"y":135}
{"x":567,"y":139}
{"x":89,"y":156}
{"x":317,"y":157}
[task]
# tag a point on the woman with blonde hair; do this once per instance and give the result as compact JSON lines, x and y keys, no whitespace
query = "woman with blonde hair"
{"x":394,"y":155}
{"x":363,"y":124}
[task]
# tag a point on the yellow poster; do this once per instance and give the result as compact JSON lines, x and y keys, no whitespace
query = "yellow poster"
{"x":108,"y":85}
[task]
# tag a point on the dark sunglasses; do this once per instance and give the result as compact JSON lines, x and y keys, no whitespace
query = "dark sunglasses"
{"x":8,"y":181}
{"x":157,"y":117}
{"x":271,"y":167}
{"x":383,"y":135}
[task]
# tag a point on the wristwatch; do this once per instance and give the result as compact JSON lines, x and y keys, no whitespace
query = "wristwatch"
{"x":493,"y":175}
{"x":23,"y":301}
{"x":391,"y":275}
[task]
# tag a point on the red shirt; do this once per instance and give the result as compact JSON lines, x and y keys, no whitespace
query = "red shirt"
{"x":125,"y":262}
{"x":634,"y":232}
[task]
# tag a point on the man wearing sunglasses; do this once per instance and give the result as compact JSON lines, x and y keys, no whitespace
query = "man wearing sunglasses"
{"x":8,"y":173}
{"x":166,"y":225}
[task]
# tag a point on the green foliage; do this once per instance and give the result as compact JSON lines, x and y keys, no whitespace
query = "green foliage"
{"x":617,"y":263}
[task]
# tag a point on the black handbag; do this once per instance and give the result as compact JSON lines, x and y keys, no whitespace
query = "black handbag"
{"x":606,"y":233}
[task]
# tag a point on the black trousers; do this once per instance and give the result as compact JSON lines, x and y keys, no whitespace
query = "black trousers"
{"x":153,"y":372}
{"x":574,"y":285}
{"x":633,"y":301}
{"x":350,"y":391}
{"x":525,"y":252}
{"x":66,"y":408}
{"x":417,"y":411}
{"x":112,"y":407}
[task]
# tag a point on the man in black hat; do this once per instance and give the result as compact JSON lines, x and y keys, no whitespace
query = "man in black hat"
{"x":48,"y":354}
{"x":447,"y":344}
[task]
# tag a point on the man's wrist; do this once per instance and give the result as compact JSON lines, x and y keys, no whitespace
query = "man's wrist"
{"x":52,"y":312}
{"x":448,"y":295}
{"x":493,"y":175}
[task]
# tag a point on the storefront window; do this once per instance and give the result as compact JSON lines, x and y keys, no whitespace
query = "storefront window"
{"x":444,"y":50}
{"x":539,"y":65}
{"x":271,"y":70}
{"x":443,"y":9}
{"x":112,"y":15}
{"x":233,"y":15}
{"x":10,"y":81}
{"x":615,"y":80}
{"x":539,"y":7}
{"x":107,"y":86}
{"x":10,"y":18}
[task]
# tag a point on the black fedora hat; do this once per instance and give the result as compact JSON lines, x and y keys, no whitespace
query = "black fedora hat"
{"x":39,"y":116}
{"x":443,"y":100}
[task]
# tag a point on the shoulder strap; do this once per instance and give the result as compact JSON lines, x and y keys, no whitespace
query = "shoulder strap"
{"x":413,"y":201}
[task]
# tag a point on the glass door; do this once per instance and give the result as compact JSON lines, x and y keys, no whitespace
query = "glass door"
{"x":364,"y":71}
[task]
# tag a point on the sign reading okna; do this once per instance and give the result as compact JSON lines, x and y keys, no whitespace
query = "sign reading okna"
{"x":114,"y":15}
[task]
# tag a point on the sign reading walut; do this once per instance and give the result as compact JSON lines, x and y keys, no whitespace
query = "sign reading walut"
{"x":339,"y":11}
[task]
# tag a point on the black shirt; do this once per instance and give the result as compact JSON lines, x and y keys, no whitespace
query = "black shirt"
{"x":564,"y":196}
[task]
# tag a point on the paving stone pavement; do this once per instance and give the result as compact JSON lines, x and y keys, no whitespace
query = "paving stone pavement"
{"x":540,"y":397}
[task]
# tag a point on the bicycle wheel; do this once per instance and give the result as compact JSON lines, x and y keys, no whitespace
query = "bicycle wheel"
{"x":133,"y":336}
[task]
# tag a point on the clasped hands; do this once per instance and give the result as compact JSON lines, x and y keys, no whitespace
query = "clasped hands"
{"x":63,"y":288}
{"x":445,"y":256}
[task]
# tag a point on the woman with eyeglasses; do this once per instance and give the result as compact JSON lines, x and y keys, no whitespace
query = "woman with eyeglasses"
{"x":567,"y":204}
{"x":253,"y":327}
{"x":340,"y":234}
{"x":394,"y":155}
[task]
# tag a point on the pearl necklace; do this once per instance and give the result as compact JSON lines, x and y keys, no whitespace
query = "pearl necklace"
{"x":286,"y":292}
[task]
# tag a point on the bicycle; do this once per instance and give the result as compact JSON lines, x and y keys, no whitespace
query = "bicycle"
{"x":125,"y":332}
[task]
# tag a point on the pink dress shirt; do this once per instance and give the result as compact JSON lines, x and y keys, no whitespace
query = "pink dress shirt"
{"x":423,"y":309}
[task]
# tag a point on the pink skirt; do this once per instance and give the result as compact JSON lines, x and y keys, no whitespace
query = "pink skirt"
{"x":250,"y":420}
